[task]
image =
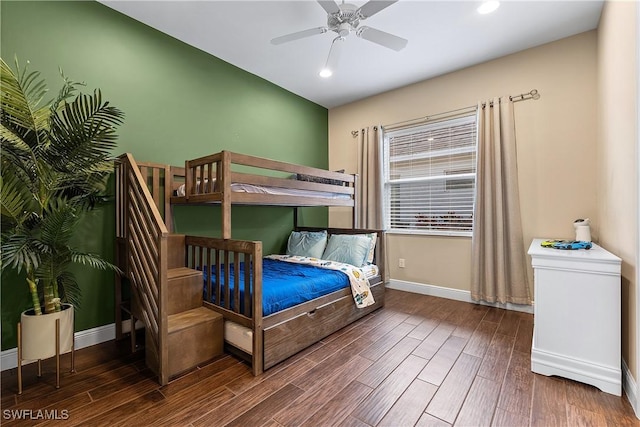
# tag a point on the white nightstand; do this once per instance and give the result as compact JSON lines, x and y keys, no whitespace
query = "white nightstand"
{"x":577,"y":315}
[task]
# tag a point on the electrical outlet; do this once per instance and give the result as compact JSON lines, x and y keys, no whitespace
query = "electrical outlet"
{"x":401,"y":262}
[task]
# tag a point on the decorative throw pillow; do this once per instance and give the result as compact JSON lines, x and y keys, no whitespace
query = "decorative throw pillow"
{"x":307,"y":243}
{"x":348,"y":248}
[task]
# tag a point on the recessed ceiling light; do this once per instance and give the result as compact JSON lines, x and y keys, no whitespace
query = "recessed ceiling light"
{"x":325,"y":72}
{"x":488,"y":7}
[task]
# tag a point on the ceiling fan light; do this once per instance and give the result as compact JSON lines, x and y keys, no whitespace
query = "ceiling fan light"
{"x":488,"y":7}
{"x":326,"y":73}
{"x":344,"y":29}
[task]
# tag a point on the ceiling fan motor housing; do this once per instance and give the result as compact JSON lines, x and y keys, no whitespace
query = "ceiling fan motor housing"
{"x":345,"y":21}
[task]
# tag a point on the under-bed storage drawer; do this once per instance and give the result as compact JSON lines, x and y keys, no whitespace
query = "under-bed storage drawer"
{"x":289,"y":337}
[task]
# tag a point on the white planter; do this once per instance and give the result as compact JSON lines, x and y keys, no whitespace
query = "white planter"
{"x":44,"y":336}
{"x":39,"y":333}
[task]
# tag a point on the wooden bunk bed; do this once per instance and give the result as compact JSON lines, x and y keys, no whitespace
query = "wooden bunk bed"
{"x":237,"y":179}
{"x":279,"y":335}
{"x":228,"y":179}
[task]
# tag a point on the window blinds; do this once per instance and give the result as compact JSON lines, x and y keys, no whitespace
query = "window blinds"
{"x":430,"y":176}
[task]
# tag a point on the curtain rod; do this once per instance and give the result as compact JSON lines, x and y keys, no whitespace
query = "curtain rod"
{"x":532,"y":94}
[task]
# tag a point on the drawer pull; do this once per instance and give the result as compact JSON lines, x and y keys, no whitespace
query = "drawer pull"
{"x":311,"y":313}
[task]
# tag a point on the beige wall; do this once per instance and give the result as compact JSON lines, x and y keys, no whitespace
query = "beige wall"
{"x":556,"y":138}
{"x":617,"y":160}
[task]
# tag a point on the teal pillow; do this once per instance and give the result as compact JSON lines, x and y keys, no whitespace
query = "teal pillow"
{"x":307,"y":243}
{"x":348,"y":248}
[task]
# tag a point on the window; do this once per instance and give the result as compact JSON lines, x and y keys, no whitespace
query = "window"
{"x":430,"y":177}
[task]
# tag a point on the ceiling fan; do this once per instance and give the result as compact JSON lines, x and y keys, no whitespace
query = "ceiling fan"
{"x":343,"y":20}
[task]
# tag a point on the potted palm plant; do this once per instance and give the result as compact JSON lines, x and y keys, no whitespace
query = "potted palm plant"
{"x":55,"y":159}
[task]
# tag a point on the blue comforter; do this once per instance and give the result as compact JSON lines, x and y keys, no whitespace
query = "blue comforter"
{"x":285,"y":284}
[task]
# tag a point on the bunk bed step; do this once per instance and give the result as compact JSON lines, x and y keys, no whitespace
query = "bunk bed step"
{"x":184,"y":286}
{"x":190,"y":318}
{"x":195,"y":337}
{"x":176,"y":249}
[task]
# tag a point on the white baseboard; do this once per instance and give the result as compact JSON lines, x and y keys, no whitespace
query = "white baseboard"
{"x":86,"y":338}
{"x":630,"y":388}
{"x":449,"y":293}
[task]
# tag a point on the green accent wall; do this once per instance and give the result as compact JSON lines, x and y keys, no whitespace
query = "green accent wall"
{"x":180,"y":103}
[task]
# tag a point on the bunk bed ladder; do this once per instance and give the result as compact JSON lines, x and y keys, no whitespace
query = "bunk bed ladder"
{"x":140,"y":225}
{"x":165,"y":295}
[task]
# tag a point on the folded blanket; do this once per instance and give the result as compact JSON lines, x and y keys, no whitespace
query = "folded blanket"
{"x":359,"y":283}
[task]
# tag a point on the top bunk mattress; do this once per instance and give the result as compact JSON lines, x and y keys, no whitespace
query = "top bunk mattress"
{"x":277,"y":191}
{"x":285,"y":285}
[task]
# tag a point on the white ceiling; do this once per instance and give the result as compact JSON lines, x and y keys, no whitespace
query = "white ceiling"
{"x":443,"y":36}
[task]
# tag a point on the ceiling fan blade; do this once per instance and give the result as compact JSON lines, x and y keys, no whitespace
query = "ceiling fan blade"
{"x":382,"y":38}
{"x":329,"y":6}
{"x":299,"y":35}
{"x":334,"y":54}
{"x":374,"y":6}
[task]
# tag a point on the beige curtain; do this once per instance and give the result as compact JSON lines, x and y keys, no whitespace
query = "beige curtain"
{"x":498,"y":258}
{"x":369,"y":212}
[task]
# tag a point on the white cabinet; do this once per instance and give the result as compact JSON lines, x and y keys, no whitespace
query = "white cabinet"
{"x":577,"y":315}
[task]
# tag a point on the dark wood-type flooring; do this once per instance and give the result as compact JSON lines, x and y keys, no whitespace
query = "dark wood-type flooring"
{"x":420,"y":360}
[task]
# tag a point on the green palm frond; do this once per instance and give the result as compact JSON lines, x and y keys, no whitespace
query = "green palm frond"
{"x":58,"y":224}
{"x":15,"y":199}
{"x":84,"y":132}
{"x":18,"y":253}
{"x":93,"y":260}
{"x":33,"y":87}
{"x":68,"y":288}
{"x":68,"y":90}
{"x":41,"y":247}
{"x":13,"y":141}
{"x":85,"y":189}
{"x":15,"y":155}
{"x":21,"y":94}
